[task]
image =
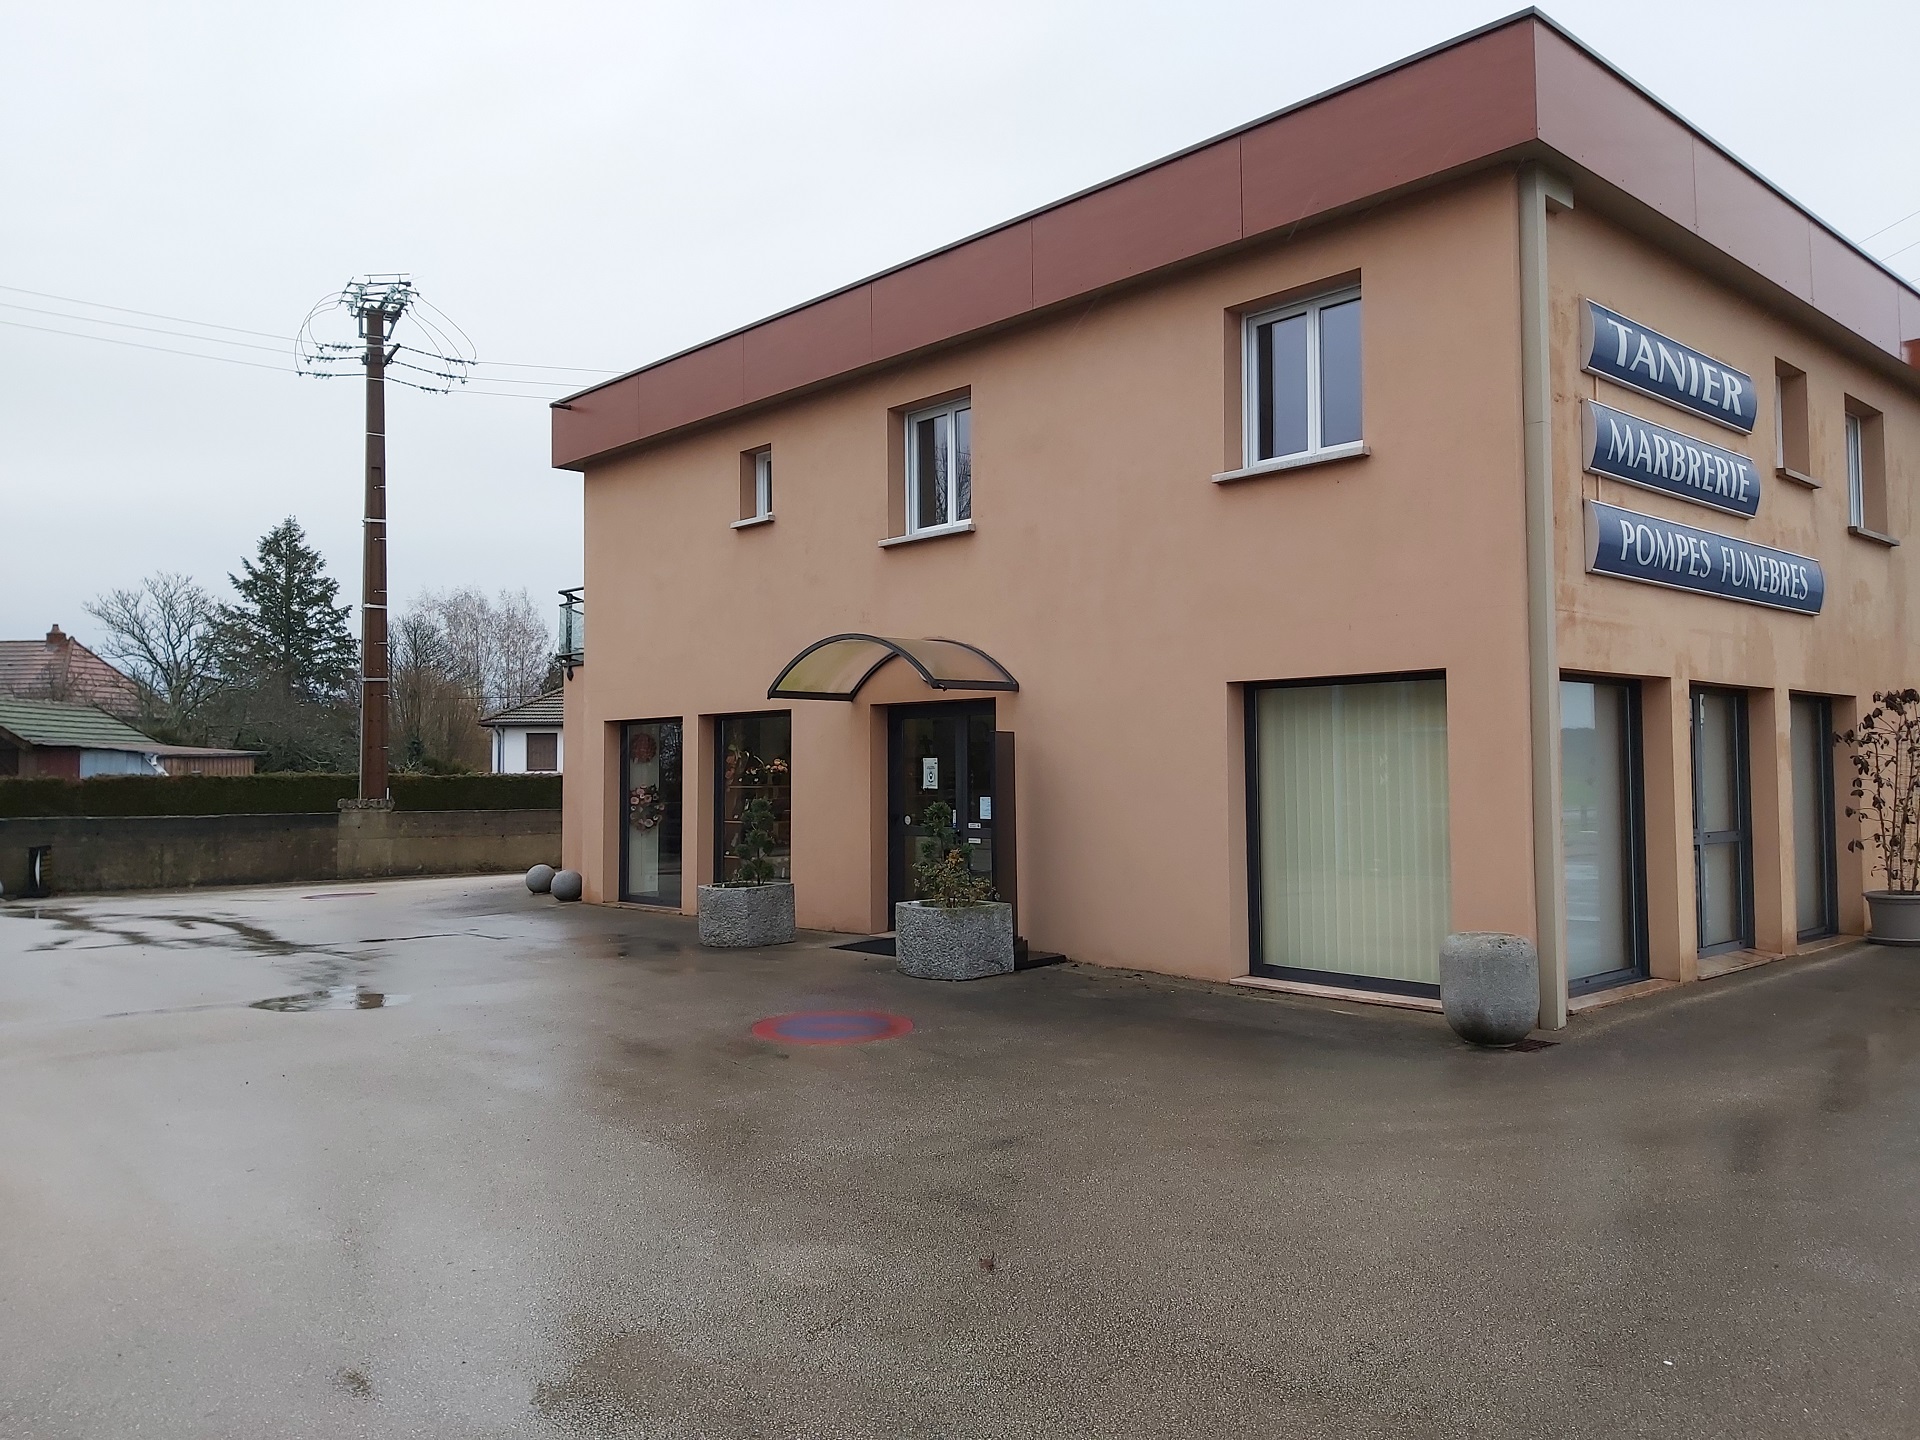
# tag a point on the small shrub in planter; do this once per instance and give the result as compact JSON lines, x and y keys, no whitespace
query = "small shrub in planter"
{"x":958,"y":931}
{"x":754,"y":908}
{"x":1886,"y":795}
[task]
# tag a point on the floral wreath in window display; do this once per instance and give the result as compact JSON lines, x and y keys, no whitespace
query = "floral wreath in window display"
{"x":645,"y":808}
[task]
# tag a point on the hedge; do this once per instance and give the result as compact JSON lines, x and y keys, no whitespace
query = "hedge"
{"x":279,"y":793}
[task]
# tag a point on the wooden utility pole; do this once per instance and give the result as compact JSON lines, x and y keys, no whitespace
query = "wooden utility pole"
{"x":375,"y":681}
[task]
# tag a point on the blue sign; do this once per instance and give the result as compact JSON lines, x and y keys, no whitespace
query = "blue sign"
{"x":1656,"y":458}
{"x":1659,"y":552}
{"x":1629,"y":354}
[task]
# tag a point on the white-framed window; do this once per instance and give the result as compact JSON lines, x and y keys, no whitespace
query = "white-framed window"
{"x":940,"y":466}
{"x":1302,"y":369}
{"x":763,"y":484}
{"x":1856,"y":472}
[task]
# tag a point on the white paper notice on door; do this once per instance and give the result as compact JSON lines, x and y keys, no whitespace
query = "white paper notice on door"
{"x":986,"y":807}
{"x":930,"y":772}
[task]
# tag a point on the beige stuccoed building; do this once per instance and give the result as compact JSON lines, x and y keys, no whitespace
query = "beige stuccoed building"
{"x":1466,"y":500}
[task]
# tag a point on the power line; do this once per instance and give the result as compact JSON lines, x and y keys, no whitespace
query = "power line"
{"x":138,"y":345}
{"x":1901,"y":251}
{"x":1885,"y":228}
{"x":264,"y":334}
{"x":177,"y":319}
{"x":281,"y":348}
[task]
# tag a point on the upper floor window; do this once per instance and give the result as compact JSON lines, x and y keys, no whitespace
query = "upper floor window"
{"x":939,"y":466}
{"x":756,"y":486}
{"x":1866,"y":471}
{"x":1792,"y":431}
{"x":1302,"y":367}
{"x":763,"y":482}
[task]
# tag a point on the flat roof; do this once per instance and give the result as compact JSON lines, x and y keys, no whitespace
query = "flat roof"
{"x":1520,"y":88}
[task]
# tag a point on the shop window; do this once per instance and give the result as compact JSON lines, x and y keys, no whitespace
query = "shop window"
{"x":1866,"y":471}
{"x":650,"y":861}
{"x":1302,"y":368}
{"x":756,"y":486}
{"x":543,"y":751}
{"x":1793,"y":445}
{"x":939,"y":467}
{"x":1349,"y":848}
{"x":755,"y":763}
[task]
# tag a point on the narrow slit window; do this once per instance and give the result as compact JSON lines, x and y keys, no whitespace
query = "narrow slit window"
{"x":939,"y":467}
{"x":1303,"y":375}
{"x":756,"y":485}
{"x":1792,"y":448}
{"x":1866,"y":470}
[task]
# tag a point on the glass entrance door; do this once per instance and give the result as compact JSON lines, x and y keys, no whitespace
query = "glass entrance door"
{"x":650,"y":793}
{"x":1722,"y":821}
{"x":938,"y":753}
{"x":1600,"y":832}
{"x":1813,"y":838}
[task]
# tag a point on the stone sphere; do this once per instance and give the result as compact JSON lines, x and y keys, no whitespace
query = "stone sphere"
{"x":566,"y":885}
{"x":1490,"y":986}
{"x":540,"y":879}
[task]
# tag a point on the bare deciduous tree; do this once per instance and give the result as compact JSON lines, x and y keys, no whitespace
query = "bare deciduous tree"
{"x":459,"y":655}
{"x":160,"y":633}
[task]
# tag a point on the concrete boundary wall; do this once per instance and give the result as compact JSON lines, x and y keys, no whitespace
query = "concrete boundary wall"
{"x":169,"y":852}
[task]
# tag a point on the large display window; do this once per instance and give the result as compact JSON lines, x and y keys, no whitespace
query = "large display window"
{"x":1352,"y":881}
{"x":650,"y":863}
{"x":755,"y":763}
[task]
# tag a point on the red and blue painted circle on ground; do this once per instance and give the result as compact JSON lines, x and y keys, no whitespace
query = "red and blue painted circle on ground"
{"x":832,"y":1027}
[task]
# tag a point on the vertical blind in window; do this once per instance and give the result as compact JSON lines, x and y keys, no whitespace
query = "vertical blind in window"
{"x":1352,"y":800}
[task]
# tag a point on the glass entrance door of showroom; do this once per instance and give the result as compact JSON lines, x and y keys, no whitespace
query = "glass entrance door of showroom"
{"x":939,"y":753}
{"x":1722,"y":821}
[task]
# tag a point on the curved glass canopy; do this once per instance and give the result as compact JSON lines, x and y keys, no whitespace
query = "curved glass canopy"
{"x":835,"y":668}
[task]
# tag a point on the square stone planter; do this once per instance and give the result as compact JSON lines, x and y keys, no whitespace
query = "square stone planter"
{"x":740,"y":917}
{"x":961,"y":942}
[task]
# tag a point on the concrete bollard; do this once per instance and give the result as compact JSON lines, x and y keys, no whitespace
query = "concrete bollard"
{"x":566,"y":885}
{"x":1490,"y":986}
{"x":540,"y":879}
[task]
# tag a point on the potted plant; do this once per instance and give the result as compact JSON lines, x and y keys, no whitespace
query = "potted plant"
{"x":957,"y":930}
{"x":754,"y":908}
{"x":1886,"y":795}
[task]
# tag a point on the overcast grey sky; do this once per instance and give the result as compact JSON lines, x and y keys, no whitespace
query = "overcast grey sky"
{"x":601,"y":184}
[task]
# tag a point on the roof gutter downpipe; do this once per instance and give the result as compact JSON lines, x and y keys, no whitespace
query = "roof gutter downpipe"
{"x":1538,"y":190}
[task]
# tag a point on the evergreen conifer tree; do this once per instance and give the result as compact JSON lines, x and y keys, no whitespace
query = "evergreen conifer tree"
{"x":286,"y":633}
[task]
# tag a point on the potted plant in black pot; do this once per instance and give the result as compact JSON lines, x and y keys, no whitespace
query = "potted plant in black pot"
{"x":1886,"y":801}
{"x":957,"y":930}
{"x":755,"y":907}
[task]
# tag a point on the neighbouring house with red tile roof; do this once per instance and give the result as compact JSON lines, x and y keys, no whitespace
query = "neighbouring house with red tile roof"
{"x":60,"y":668}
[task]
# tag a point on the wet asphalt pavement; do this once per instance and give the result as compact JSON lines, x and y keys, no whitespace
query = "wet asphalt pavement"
{"x":552,"y":1186}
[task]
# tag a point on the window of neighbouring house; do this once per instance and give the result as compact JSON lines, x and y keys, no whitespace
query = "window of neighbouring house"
{"x":939,"y":466}
{"x":756,"y":763}
{"x":1302,"y":368}
{"x":543,"y":751}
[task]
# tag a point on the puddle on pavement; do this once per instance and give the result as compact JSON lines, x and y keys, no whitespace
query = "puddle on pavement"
{"x":337,"y":997}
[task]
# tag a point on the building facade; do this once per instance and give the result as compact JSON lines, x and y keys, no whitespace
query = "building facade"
{"x":1468,"y":500}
